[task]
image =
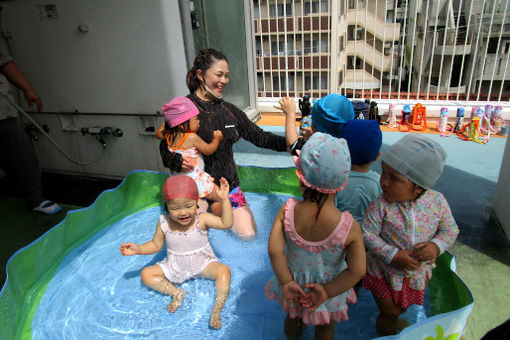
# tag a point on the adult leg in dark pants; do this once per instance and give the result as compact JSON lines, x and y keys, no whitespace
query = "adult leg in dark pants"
{"x":19,"y":161}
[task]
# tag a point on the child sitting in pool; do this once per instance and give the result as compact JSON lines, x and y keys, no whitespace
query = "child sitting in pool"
{"x":309,"y":242}
{"x":181,"y":125}
{"x":406,"y":228}
{"x":189,"y":252}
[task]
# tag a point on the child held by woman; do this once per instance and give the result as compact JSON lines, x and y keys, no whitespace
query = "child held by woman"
{"x":309,"y":242}
{"x":189,"y":253}
{"x":406,"y":228}
{"x":180,"y":133}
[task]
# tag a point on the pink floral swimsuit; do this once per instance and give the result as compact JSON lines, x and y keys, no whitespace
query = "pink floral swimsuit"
{"x":204,"y":181}
{"x":389,"y":227}
{"x":315,"y":262}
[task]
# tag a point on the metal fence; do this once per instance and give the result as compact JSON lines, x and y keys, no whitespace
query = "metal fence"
{"x":443,"y":50}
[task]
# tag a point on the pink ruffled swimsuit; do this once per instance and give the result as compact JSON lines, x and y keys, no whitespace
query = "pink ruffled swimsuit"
{"x":187,"y":253}
{"x":315,"y":262}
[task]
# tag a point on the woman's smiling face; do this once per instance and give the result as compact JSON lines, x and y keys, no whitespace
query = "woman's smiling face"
{"x":215,"y":78}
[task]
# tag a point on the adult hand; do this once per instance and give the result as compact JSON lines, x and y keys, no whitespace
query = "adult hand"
{"x":128,"y":249}
{"x":405,"y":260}
{"x":287,"y":105}
{"x":315,"y":296}
{"x":188,"y":163}
{"x":32,"y":97}
{"x":426,"y":251}
{"x":292,"y":292}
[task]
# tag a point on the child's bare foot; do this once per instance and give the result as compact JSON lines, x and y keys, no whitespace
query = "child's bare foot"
{"x":402,"y":324}
{"x":176,"y":301}
{"x":215,"y":319}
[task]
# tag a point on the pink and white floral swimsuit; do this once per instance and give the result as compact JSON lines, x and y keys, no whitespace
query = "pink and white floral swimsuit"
{"x":315,"y":262}
{"x":389,"y":227}
{"x":204,"y":181}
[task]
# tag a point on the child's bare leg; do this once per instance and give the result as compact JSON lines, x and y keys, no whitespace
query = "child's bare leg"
{"x":244,"y":222}
{"x":293,"y":328}
{"x":154,"y":278}
{"x":324,"y":332}
{"x":220,"y":273}
{"x":386,"y":323}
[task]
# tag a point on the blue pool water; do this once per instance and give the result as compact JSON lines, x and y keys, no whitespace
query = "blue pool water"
{"x":96,"y":293}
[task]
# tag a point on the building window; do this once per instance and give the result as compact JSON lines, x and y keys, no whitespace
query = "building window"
{"x":256,"y":11}
{"x":280,"y":83}
{"x":280,"y":48}
{"x":315,"y":46}
{"x":316,"y":83}
{"x":359,"y":30}
{"x":351,"y":62}
{"x":316,"y":7}
{"x":258,"y":46}
{"x":260,"y":82}
{"x":278,"y":10}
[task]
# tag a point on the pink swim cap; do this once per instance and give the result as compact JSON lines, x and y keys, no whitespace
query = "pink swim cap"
{"x":180,"y":186}
{"x":179,"y":110}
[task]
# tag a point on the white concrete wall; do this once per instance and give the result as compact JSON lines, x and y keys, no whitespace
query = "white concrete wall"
{"x":99,"y":63}
{"x":129,"y":58}
{"x":502,"y":197}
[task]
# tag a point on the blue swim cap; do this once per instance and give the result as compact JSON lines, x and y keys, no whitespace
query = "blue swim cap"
{"x":364,"y":139}
{"x":407,"y":108}
{"x":330,"y":112}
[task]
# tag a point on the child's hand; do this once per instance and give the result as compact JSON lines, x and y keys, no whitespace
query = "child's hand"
{"x":224,"y":189}
{"x":292,"y":292}
{"x":426,"y":251}
{"x":128,"y":249}
{"x":405,"y":260}
{"x":217,"y":134}
{"x":307,"y":133}
{"x":315,"y":297}
{"x":287,"y":105}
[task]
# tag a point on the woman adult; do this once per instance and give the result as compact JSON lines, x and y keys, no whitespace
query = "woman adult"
{"x":206,"y":81}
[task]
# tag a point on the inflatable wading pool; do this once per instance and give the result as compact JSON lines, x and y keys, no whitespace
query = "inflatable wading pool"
{"x":73,"y":283}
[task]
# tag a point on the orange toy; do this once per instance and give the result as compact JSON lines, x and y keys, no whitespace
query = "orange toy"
{"x":419,"y":118}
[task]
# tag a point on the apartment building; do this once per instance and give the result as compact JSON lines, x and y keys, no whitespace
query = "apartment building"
{"x":459,"y":47}
{"x":416,"y":49}
{"x":317,"y":46}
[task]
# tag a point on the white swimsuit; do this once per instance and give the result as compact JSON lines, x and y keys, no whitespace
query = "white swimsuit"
{"x":188,"y":253}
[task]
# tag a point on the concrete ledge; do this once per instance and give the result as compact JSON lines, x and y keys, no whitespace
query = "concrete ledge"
{"x":266,"y":104}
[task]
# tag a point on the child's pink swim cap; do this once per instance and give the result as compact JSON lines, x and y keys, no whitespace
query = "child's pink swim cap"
{"x":179,"y":110}
{"x":180,"y":186}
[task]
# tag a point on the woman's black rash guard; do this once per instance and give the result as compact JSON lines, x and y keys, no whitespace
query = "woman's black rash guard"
{"x":234,"y":124}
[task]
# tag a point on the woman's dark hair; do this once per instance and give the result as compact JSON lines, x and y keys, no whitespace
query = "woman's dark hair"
{"x":172,"y":133}
{"x":203,"y":61}
{"x":315,"y":196}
